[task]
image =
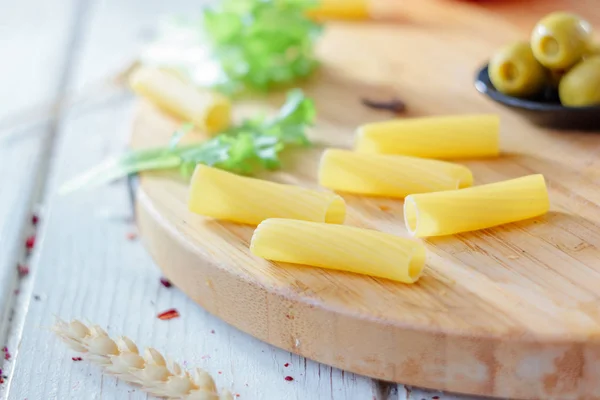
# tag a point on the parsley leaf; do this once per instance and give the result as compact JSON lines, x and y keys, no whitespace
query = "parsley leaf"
{"x":241,"y":44}
{"x":255,"y":143}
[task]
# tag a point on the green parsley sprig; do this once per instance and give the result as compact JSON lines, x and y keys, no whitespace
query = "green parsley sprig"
{"x":240,"y":45}
{"x":254,"y":144}
{"x":262,"y":43}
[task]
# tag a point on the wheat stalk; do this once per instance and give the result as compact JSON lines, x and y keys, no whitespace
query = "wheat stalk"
{"x":151,"y":372}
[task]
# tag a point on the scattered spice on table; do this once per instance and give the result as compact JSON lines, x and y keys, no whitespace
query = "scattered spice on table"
{"x":219,"y":372}
{"x":289,"y":378}
{"x":165,"y":282}
{"x":76,"y":358}
{"x":35,"y":219}
{"x":23,"y":270}
{"x":37,"y":297}
{"x":212,"y":331}
{"x":30,"y":242}
{"x":169,"y":314}
{"x":286,"y":365}
{"x":132,"y":236}
{"x":394,"y":105}
{"x":383,"y":207}
{"x":435,"y":397}
{"x":6,"y":353}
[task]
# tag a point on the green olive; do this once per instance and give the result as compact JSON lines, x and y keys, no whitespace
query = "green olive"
{"x":514,"y":71}
{"x":580,"y":86}
{"x":592,"y":50}
{"x":559,"y":40}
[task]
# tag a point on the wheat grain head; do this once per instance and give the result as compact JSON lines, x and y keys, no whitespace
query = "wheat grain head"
{"x":151,"y":372}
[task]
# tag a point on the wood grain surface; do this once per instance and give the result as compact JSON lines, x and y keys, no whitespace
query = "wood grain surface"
{"x":508,"y":312}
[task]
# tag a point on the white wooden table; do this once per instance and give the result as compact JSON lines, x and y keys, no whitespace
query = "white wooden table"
{"x":60,"y":113}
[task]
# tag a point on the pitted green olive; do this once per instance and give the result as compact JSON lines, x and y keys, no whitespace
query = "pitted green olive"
{"x":560,"y":40}
{"x":514,"y":71}
{"x":580,"y":87}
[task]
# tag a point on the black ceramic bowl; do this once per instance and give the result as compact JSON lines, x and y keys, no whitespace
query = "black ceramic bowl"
{"x":544,"y":110}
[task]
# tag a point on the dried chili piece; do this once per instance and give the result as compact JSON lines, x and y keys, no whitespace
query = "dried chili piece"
{"x":169,"y":314}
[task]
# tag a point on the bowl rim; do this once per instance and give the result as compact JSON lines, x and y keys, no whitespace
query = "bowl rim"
{"x":484,"y":85}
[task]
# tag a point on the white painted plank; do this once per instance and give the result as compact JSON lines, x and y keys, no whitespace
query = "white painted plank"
{"x":33,"y":37}
{"x":20,"y":151}
{"x":34,"y":49}
{"x":87,"y":268}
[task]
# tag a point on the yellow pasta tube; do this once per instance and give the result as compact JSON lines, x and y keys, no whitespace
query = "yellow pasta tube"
{"x":223,"y":195}
{"x":340,"y":9}
{"x":209,"y":112}
{"x":339,"y":247}
{"x":480,"y":207}
{"x":461,"y":136}
{"x":391,"y":176}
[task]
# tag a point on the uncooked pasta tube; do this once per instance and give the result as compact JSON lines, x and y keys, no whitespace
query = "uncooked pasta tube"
{"x":460,"y":136}
{"x":339,"y":247}
{"x":391,"y":176}
{"x":340,"y":9}
{"x":208,"y":111}
{"x":223,"y":195}
{"x":480,"y":207}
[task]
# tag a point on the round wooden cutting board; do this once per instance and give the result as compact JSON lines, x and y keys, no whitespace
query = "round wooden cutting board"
{"x":512,"y":311}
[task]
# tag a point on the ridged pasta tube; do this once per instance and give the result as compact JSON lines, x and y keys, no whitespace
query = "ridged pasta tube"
{"x":209,"y":112}
{"x":339,"y":247}
{"x":223,"y":195}
{"x":391,"y":176}
{"x":449,"y":137}
{"x":480,"y":207}
{"x":340,"y":9}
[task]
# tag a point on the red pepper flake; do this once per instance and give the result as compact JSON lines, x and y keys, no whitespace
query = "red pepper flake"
{"x":6,"y":353}
{"x":204,"y":357}
{"x":132,"y":236}
{"x":76,"y":358}
{"x":435,"y":397}
{"x":1,"y":380}
{"x":165,"y":282}
{"x":23,"y":270}
{"x":289,"y":378}
{"x":30,"y":242}
{"x":169,"y":314}
{"x":35,"y":219}
{"x":286,"y":365}
{"x":212,"y":331}
{"x":219,"y":372}
{"x":237,"y":395}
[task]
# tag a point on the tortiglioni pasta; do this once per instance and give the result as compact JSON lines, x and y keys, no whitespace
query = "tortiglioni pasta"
{"x":480,"y":207}
{"x":391,"y":176}
{"x":208,"y":111}
{"x":461,"y":136}
{"x":340,"y":9}
{"x":339,"y":247}
{"x":223,"y":195}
